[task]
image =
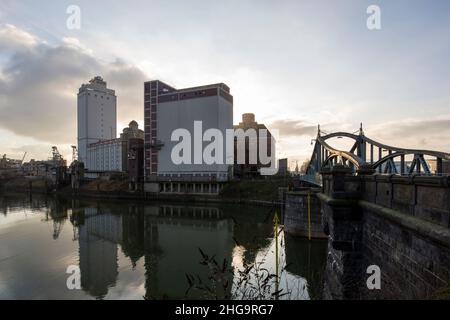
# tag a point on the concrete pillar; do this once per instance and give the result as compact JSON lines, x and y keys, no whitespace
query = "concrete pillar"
{"x":342,"y":219}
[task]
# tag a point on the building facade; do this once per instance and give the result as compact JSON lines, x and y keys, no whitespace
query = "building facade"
{"x":113,"y":154}
{"x":283,"y":168}
{"x":251,"y":167}
{"x":135,"y":161}
{"x":96,"y":116}
{"x":107,"y":155}
{"x":167,"y":109}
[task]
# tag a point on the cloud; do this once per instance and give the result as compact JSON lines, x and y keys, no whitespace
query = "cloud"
{"x":293,"y":128}
{"x":39,"y":83}
{"x":76,"y":44}
{"x":412,"y":133}
{"x":41,"y":150}
{"x":431,"y":133}
{"x":14,"y":39}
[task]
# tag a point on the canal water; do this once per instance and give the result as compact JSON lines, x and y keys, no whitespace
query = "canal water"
{"x":59,"y":248}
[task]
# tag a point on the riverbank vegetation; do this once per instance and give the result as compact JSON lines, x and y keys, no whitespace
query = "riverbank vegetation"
{"x":261,"y":189}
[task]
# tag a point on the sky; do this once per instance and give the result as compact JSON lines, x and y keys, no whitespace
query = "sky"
{"x":295,"y":64}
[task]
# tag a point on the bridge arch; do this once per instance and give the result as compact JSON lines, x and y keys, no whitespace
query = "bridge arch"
{"x":362,"y":155}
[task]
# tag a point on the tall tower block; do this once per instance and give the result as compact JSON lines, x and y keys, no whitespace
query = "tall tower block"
{"x":96,"y":115}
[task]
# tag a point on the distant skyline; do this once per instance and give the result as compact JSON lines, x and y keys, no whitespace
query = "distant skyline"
{"x":294,"y":64}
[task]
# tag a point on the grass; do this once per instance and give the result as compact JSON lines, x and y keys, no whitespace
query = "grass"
{"x":442,"y":294}
{"x":264,"y":189}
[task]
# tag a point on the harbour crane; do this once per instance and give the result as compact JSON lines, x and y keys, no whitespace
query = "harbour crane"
{"x":23,"y":158}
{"x":58,"y":160}
{"x":55,"y":153}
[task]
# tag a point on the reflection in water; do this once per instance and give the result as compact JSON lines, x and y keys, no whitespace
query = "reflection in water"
{"x":172,"y":237}
{"x":98,"y":239}
{"x":129,"y":250}
{"x":307,"y":258}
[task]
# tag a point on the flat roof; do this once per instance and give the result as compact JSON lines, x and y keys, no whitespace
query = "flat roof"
{"x":208,"y":86}
{"x":221,"y":85}
{"x":103,"y":142}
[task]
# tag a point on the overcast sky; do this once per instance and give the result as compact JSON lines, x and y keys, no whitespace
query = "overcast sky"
{"x":294,"y":64}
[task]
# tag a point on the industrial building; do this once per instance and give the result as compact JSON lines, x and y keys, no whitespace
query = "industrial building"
{"x":283,"y":168}
{"x":11,"y":164}
{"x":250,"y":169}
{"x":167,"y":109}
{"x":113,"y":154}
{"x":96,"y":116}
{"x":54,"y":169}
{"x":98,"y":146}
{"x":135,"y":162}
{"x":107,"y":155}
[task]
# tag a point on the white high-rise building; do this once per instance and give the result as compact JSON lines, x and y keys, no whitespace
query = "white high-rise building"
{"x":97,"y":115}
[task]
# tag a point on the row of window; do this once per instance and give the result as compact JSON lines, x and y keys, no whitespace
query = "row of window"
{"x":153,"y":123}
{"x":149,"y":95}
{"x":148,"y":99}
{"x":194,"y":174}
{"x":95,"y":95}
{"x":149,"y":109}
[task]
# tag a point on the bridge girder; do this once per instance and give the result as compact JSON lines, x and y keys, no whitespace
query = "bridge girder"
{"x":324,"y":155}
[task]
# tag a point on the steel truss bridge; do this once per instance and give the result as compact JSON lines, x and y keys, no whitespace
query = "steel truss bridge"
{"x":369,"y":156}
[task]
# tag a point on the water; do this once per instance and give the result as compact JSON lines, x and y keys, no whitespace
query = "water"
{"x":132,"y":250}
